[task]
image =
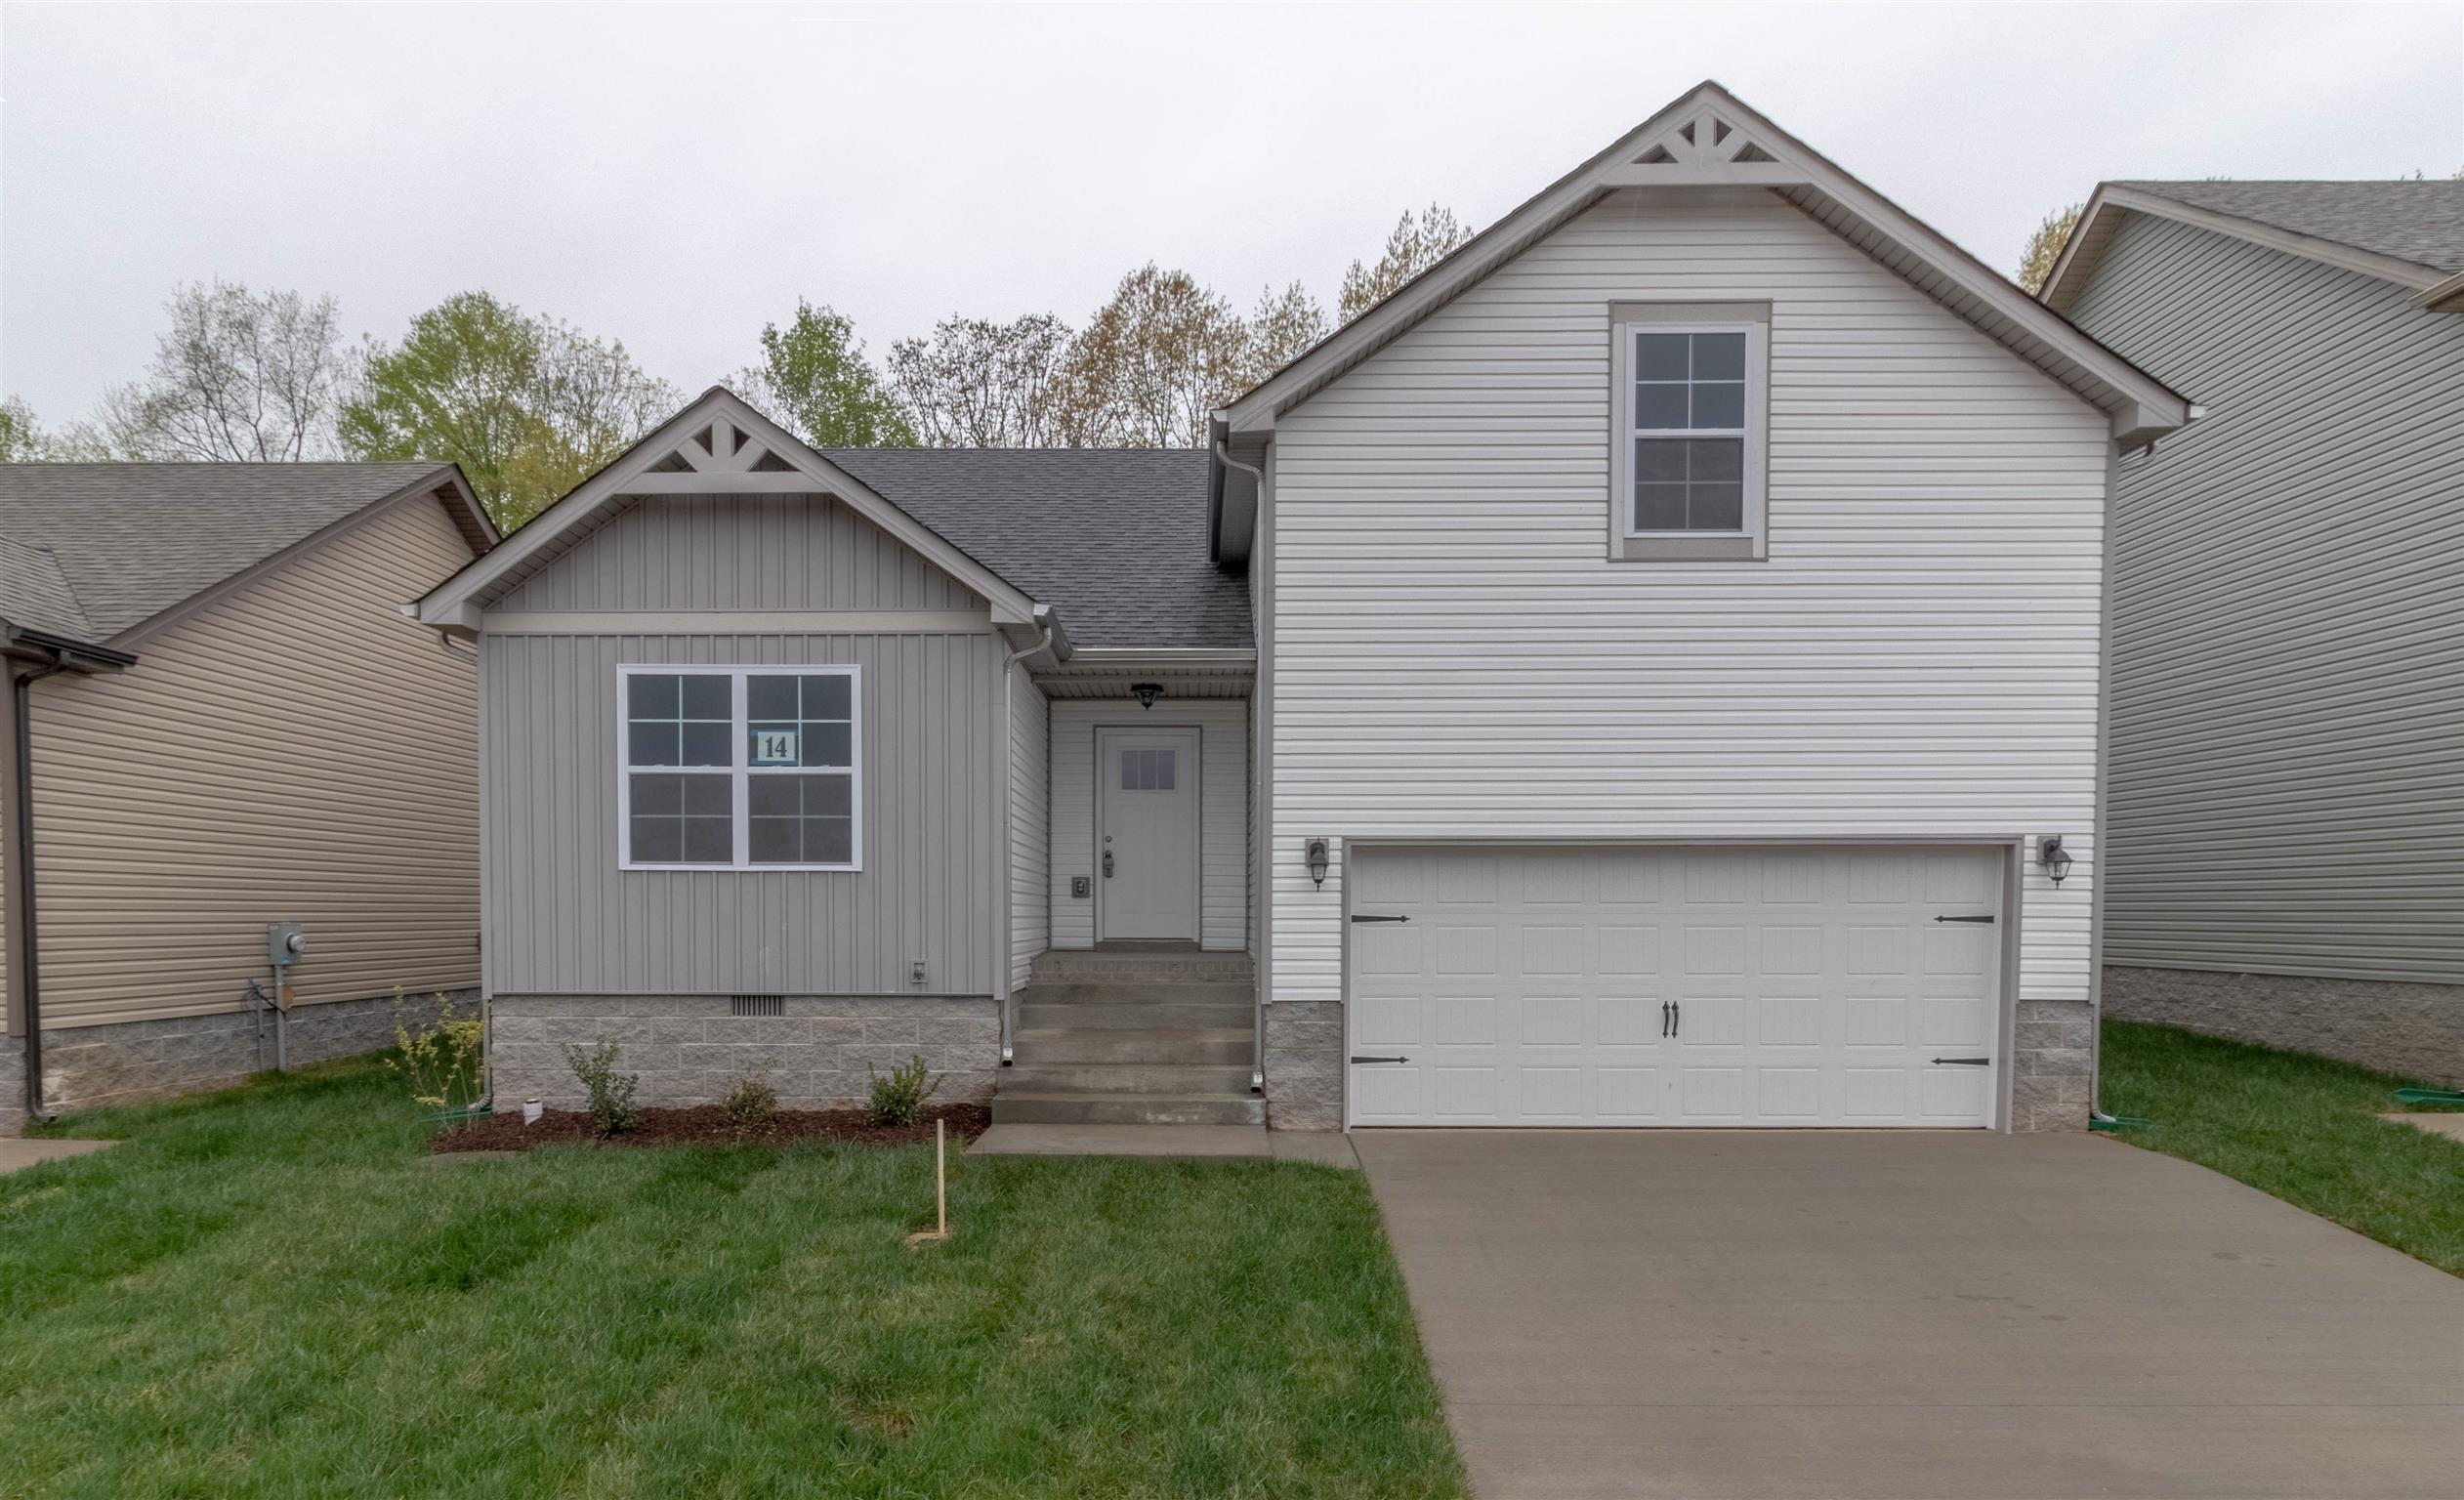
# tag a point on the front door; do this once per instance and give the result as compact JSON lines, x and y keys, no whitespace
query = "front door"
{"x":1147,"y":835}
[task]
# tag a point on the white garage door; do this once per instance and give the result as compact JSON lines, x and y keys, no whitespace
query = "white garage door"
{"x":1673,"y":986}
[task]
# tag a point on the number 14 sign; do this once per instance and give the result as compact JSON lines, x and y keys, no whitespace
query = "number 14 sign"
{"x":774,"y":747}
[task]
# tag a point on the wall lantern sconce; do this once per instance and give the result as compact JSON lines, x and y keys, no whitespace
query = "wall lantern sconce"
{"x":1147,"y":693}
{"x":2054,"y":857}
{"x":1315,"y":853}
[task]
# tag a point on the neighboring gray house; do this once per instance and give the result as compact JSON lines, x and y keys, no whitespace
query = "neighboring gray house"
{"x":1645,"y":672}
{"x":2287,"y":758}
{"x":217,"y":721}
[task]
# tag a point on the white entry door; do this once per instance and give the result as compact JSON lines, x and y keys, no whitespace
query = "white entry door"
{"x":1675,"y":986}
{"x":1146,"y":834}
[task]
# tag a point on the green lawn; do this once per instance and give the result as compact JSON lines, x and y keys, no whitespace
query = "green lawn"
{"x":265,"y":1292}
{"x":2301,"y":1127}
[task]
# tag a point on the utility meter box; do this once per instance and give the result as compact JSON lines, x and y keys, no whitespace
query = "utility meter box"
{"x":286,"y":944}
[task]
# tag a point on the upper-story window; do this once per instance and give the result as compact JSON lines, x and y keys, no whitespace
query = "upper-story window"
{"x":738,"y":768}
{"x":1687,"y":469}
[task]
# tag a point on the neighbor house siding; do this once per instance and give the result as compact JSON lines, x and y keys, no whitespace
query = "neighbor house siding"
{"x":1030,"y":825}
{"x":2288,"y":683}
{"x":562,"y":919}
{"x":292,"y":751}
{"x":1223,"y":812}
{"x":1454,"y":657}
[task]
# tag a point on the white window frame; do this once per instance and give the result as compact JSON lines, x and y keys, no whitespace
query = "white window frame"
{"x":740,"y":770}
{"x":1750,"y":541}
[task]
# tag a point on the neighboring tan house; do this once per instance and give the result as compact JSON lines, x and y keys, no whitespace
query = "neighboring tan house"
{"x":220,"y":721}
{"x":2287,"y":765}
{"x":1645,"y":672}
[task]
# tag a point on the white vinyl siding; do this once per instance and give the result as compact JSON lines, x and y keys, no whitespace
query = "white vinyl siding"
{"x":1030,"y":827}
{"x":293,"y":751}
{"x":2287,"y":752}
{"x":1454,"y":659}
{"x":1223,"y":811}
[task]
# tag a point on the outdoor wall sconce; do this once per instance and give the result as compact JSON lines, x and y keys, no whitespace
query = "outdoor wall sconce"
{"x":1316,"y":854}
{"x":1147,"y":693}
{"x":2053,"y":857}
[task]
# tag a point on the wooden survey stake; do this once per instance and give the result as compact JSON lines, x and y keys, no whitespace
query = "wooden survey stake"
{"x":941,"y":1190}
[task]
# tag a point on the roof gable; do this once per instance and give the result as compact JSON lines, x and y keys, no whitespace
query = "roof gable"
{"x":716,"y":445}
{"x":1711,"y":138}
{"x":2407,"y":233}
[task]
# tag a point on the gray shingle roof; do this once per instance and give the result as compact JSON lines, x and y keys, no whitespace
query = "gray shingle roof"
{"x":2419,"y":221}
{"x":128,"y":541}
{"x":35,"y":592}
{"x":1115,"y":539}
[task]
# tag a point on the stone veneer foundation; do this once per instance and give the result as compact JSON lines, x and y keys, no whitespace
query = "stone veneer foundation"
{"x":125,"y":1062}
{"x":2413,"y":1030}
{"x":1305,"y":1065}
{"x":690,"y":1050}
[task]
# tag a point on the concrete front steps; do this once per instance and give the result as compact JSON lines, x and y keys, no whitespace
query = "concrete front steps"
{"x":1143,"y":1037}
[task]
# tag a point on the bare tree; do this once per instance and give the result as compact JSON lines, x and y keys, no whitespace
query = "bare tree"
{"x":1152,"y":362}
{"x":237,"y":378}
{"x":1281,"y":328}
{"x":1415,"y":245}
{"x":2044,"y":248}
{"x":979,"y":383}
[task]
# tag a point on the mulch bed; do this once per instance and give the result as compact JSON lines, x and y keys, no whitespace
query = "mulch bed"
{"x":708,"y":1125}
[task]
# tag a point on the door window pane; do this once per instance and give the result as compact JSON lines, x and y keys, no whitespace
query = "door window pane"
{"x":1150,"y":769}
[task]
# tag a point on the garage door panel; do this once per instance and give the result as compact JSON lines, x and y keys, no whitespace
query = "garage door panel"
{"x":1812,"y":986}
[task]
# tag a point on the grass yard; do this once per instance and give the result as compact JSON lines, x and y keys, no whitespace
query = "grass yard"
{"x":2304,"y":1128}
{"x":266,"y":1292}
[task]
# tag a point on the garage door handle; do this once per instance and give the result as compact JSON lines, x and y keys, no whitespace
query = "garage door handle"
{"x":1964,"y":1062}
{"x":1359,"y":918}
{"x":1381,"y":1059}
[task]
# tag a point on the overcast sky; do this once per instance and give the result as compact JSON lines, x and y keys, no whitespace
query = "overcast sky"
{"x":676,"y":175}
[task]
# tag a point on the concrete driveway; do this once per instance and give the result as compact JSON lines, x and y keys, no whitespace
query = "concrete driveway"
{"x":1961,"y":1315}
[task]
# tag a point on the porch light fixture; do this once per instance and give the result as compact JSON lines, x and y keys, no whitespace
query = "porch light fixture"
{"x":1146,"y":692}
{"x":1316,"y":854}
{"x":2053,"y":857}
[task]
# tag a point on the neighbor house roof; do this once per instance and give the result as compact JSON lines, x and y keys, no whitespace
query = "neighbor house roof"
{"x":107,"y":546}
{"x":2408,"y":233}
{"x":1709,"y":137}
{"x":1113,"y":538}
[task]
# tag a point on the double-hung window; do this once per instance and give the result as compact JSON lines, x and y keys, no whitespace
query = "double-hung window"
{"x":1688,"y":473}
{"x":739,"y":767}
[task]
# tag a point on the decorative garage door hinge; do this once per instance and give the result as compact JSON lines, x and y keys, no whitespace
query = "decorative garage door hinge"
{"x":1381,"y":1059}
{"x":1358,"y":917}
{"x":1987,"y":921}
{"x":1963,"y":1061}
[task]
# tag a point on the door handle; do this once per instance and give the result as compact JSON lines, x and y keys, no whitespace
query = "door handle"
{"x":1107,"y":864}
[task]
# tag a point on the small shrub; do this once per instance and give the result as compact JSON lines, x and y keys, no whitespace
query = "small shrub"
{"x":900,"y":1098}
{"x":612,"y":1107}
{"x":444,"y":1060}
{"x":752,"y":1103}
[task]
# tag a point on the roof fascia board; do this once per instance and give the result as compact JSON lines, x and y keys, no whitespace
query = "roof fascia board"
{"x":1802,"y":166}
{"x":628,"y":475}
{"x":2070,"y":273}
{"x":2446,"y":296}
{"x":442,"y":476}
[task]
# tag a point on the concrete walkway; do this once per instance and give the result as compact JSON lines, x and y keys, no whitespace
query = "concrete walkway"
{"x":1962,"y":1315}
{"x":18,"y":1151}
{"x":1326,"y":1148}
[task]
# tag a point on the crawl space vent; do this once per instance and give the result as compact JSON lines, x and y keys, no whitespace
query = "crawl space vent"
{"x":757,"y":1004}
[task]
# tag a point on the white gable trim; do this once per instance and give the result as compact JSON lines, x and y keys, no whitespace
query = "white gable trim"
{"x":2077,"y":262}
{"x":1709,"y":137}
{"x":712,"y":447}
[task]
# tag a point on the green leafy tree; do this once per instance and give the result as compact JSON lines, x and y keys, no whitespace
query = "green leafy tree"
{"x":814,"y":380}
{"x":527,"y":405}
{"x":1416,"y":244}
{"x":2044,"y":248}
{"x":23,"y":440}
{"x":1152,"y":362}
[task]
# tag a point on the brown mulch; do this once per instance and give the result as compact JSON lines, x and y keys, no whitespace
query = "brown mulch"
{"x":708,"y":1125}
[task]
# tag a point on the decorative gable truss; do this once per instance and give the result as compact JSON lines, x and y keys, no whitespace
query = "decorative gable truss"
{"x":1705,"y":150}
{"x":718,"y":445}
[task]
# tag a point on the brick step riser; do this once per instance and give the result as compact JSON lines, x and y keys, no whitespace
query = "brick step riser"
{"x":1170,"y":1079}
{"x":1036,"y":1045}
{"x":1126,"y":1110}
